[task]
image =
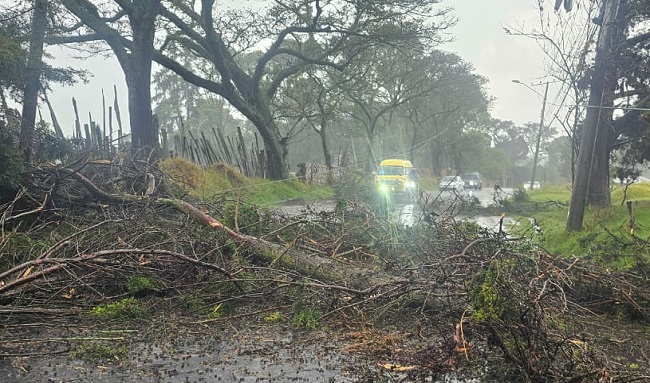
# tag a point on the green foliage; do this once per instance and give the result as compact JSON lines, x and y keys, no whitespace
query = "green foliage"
{"x":520,"y":196}
{"x":96,"y":352}
{"x":226,"y":181}
{"x":217,"y":311}
{"x":137,"y":284}
{"x":494,"y":164}
{"x":128,"y":308}
{"x":556,"y":193}
{"x":484,"y":294}
{"x":305,"y":317}
{"x":19,"y":247}
{"x":245,"y":217}
{"x":193,"y":304}
{"x":273,"y":317}
{"x":264,"y":193}
{"x":12,"y":55}
{"x":198,"y":305}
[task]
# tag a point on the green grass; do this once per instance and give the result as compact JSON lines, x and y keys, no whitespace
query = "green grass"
{"x":606,"y":235}
{"x":267,"y":193}
{"x":558,"y":193}
{"x":635,"y":192}
{"x":136,"y":284}
{"x":260,"y":192}
{"x":305,"y":317}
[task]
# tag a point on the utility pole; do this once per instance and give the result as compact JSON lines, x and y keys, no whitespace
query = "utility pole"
{"x":539,"y":138}
{"x":541,"y":127}
{"x":590,"y":128}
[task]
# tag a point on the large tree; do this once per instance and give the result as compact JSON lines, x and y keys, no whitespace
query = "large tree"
{"x":33,"y":77}
{"x":297,"y":35}
{"x":456,"y":101}
{"x":136,"y":19}
{"x":619,"y":80}
{"x":382,"y":81}
{"x":599,"y":50}
{"x":13,"y":57}
{"x":24,"y":72}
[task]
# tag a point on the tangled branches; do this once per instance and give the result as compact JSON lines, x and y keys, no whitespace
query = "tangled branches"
{"x":77,"y":238}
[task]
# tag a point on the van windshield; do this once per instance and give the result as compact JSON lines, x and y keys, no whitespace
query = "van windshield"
{"x":390,"y":171}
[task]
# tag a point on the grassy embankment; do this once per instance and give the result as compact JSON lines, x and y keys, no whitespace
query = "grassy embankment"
{"x":607,"y":235}
{"x":224,"y":181}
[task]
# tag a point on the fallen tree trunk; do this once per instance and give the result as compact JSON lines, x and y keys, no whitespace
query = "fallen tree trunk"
{"x":355,"y":280}
{"x":334,"y":270}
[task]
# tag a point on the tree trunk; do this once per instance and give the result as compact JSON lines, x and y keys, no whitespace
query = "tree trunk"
{"x":276,"y":165}
{"x":144,"y":139}
{"x":374,"y":160}
{"x":598,"y":193}
{"x":135,"y":60}
{"x":326,"y":151}
{"x":33,"y":79}
{"x":590,"y":130}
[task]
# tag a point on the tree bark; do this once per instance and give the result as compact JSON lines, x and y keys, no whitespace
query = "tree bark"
{"x":326,"y":151}
{"x":594,"y":110}
{"x":598,"y":193}
{"x":33,"y":82}
{"x":276,"y":166}
{"x":144,"y":139}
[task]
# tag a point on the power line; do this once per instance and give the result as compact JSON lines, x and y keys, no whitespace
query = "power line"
{"x":602,"y":107}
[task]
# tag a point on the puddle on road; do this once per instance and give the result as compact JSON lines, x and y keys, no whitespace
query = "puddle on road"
{"x":493,"y":223}
{"x":407,"y":215}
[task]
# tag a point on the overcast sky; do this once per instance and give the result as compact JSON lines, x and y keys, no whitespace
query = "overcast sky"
{"x":478,"y":38}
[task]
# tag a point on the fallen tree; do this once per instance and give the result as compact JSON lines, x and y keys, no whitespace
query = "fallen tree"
{"x":79,"y":240}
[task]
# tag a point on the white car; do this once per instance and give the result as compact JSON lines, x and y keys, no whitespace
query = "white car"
{"x":536,"y":185}
{"x":451,"y":182}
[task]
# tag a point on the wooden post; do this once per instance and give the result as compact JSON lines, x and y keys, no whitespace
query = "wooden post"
{"x":630,"y":212}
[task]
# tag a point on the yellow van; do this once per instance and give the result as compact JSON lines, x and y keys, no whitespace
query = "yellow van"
{"x":395,"y":175}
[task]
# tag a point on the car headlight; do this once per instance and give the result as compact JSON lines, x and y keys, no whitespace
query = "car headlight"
{"x":410,"y":184}
{"x":383,"y":188}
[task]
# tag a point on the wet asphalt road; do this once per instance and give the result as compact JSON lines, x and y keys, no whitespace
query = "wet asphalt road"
{"x":409,"y":214}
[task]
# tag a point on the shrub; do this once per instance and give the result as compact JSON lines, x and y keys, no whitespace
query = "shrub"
{"x":184,"y":173}
{"x":127,"y":308}
{"x":305,"y":317}
{"x":138,"y":284}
